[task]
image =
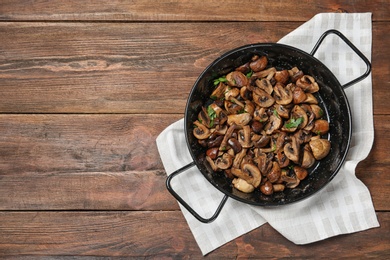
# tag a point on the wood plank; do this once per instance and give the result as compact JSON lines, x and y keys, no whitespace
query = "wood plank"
{"x":164,"y":234}
{"x":187,"y":10}
{"x":119,"y":68}
{"x":65,"y":154}
{"x":80,"y":143}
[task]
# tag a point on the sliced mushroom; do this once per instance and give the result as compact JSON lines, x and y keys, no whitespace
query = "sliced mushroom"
{"x":274,"y":175}
{"x":204,"y":118}
{"x":244,"y":136}
{"x":257,"y":126}
{"x":226,"y":137}
{"x":260,"y":114}
{"x":274,"y":123}
{"x":244,"y":68}
{"x":278,"y":187}
{"x":250,"y":173}
{"x":298,"y":119}
{"x":291,"y":150}
{"x":308,"y":159}
{"x":263,"y":141}
{"x":320,"y":148}
{"x":282,"y":159}
{"x":291,"y":181}
{"x":219,"y":92}
{"x":233,"y":92}
{"x":212,"y":164}
{"x":317,"y":110}
{"x":282,"y":111}
{"x":242,"y":185}
{"x":265,"y":73}
{"x":237,"y":79}
{"x":249,"y":107}
{"x":282,"y":94}
{"x":303,"y":136}
{"x":245,"y":93}
{"x":311,"y":99}
{"x":262,"y":98}
{"x":201,"y":131}
{"x":308,"y":84}
{"x":238,"y":158}
{"x":239,"y":119}
{"x":224,"y":162}
{"x":258,"y":63}
{"x":265,"y":85}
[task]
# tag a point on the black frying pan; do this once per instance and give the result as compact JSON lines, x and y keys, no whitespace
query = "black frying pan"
{"x":332,"y":100}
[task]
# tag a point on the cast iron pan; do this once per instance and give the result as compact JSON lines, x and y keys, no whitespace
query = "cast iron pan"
{"x":332,"y":100}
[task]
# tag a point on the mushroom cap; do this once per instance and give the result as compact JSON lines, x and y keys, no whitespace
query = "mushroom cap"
{"x":274,"y":123}
{"x":320,"y":148}
{"x":237,"y":79}
{"x":265,"y":85}
{"x":224,"y":162}
{"x":308,"y":84}
{"x":258,"y":63}
{"x":291,"y":150}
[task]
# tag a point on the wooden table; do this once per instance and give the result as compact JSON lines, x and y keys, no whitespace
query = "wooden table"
{"x":86,"y":87}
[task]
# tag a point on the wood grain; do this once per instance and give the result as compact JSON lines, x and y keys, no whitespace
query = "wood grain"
{"x":132,"y":68}
{"x":110,"y":162}
{"x":164,"y":235}
{"x":187,"y":10}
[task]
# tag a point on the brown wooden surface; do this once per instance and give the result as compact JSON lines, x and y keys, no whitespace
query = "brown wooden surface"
{"x":87,"y":87}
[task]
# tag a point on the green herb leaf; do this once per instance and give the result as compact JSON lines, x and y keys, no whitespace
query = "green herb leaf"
{"x":276,"y":113}
{"x":249,"y":74}
{"x":218,"y":80}
{"x":293,"y":122}
{"x":212,"y":115}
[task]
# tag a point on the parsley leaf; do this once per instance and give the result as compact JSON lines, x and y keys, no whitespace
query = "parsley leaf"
{"x":249,"y":74}
{"x":212,"y":114}
{"x":293,"y":122}
{"x":218,"y":80}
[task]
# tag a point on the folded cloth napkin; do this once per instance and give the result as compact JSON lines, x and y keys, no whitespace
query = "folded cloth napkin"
{"x":343,"y":206}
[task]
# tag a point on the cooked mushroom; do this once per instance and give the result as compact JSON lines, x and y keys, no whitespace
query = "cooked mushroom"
{"x":238,"y":158}
{"x":249,"y":107}
{"x":262,"y":98}
{"x":237,"y":79}
{"x":212,"y":152}
{"x":226,"y":137}
{"x":299,"y":96}
{"x":291,"y":150}
{"x":260,"y":114}
{"x":257,"y":126}
{"x":239,"y":119}
{"x":242,"y":185}
{"x":308,"y":84}
{"x":244,"y":136}
{"x":311,"y":99}
{"x":235,"y":145}
{"x":282,"y":95}
{"x":201,"y":131}
{"x":291,"y":181}
{"x":224,"y":162}
{"x":265,"y":85}
{"x":219,"y":91}
{"x":317,"y":110}
{"x":274,"y":175}
{"x":282,"y":159}
{"x":204,"y":118}
{"x":320,"y":148}
{"x":212,"y":164}
{"x":282,"y":76}
{"x":267,"y":188}
{"x":300,"y":172}
{"x":258,"y":63}
{"x":250,"y":173}
{"x":273,"y":124}
{"x":278,"y":187}
{"x":282,"y":111}
{"x":321,"y":127}
{"x":308,"y":159}
{"x":245,"y":93}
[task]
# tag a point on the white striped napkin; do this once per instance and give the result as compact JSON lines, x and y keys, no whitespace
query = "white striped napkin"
{"x":343,"y":206}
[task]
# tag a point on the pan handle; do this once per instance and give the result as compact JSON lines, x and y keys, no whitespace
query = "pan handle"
{"x":353,"y":47}
{"x":188,"y":207}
